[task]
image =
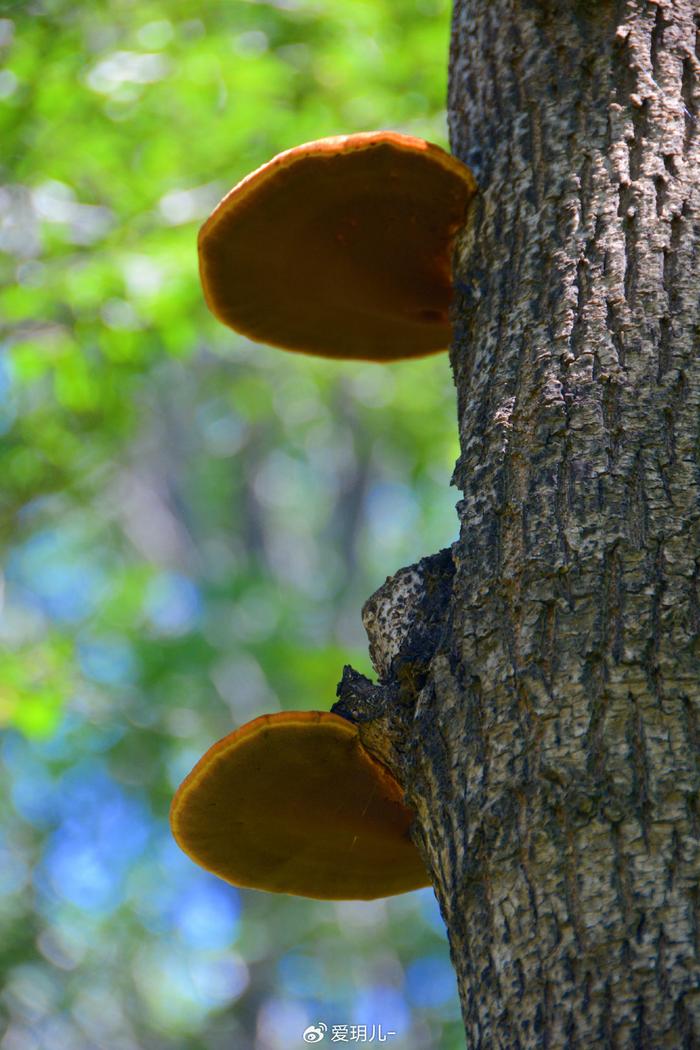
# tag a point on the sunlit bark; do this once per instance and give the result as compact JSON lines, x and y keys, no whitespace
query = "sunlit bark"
{"x":542,"y":703}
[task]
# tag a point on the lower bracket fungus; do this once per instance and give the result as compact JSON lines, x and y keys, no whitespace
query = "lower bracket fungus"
{"x":293,"y":803}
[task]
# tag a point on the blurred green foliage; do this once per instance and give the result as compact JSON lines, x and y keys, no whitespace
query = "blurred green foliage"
{"x":191,"y":522}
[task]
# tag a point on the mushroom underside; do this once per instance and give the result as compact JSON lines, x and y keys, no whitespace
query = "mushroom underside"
{"x":343,"y":255}
{"x":296,"y":809}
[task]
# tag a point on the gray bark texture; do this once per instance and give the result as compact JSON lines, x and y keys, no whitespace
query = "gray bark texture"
{"x":539,"y":684}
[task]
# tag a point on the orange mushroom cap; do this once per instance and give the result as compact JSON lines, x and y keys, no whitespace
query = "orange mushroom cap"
{"x":340,"y":247}
{"x":293,"y":803}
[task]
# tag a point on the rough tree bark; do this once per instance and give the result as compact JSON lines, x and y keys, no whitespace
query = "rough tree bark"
{"x":539,"y":685}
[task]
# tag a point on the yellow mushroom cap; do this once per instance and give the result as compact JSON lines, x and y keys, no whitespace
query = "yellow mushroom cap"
{"x":293,"y":803}
{"x":340,"y":247}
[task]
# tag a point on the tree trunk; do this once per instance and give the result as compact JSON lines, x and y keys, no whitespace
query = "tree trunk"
{"x":539,"y":691}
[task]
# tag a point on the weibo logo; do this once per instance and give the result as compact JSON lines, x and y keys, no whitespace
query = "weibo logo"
{"x":315,"y":1033}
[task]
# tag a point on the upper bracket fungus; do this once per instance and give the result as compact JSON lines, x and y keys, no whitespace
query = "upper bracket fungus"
{"x":293,"y":803}
{"x":340,"y":247}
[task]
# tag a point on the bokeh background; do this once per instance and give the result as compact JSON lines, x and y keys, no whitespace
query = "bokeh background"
{"x":190,"y":522}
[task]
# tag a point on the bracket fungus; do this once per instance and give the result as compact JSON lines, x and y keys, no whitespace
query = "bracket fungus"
{"x":340,"y":247}
{"x":293,"y":803}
